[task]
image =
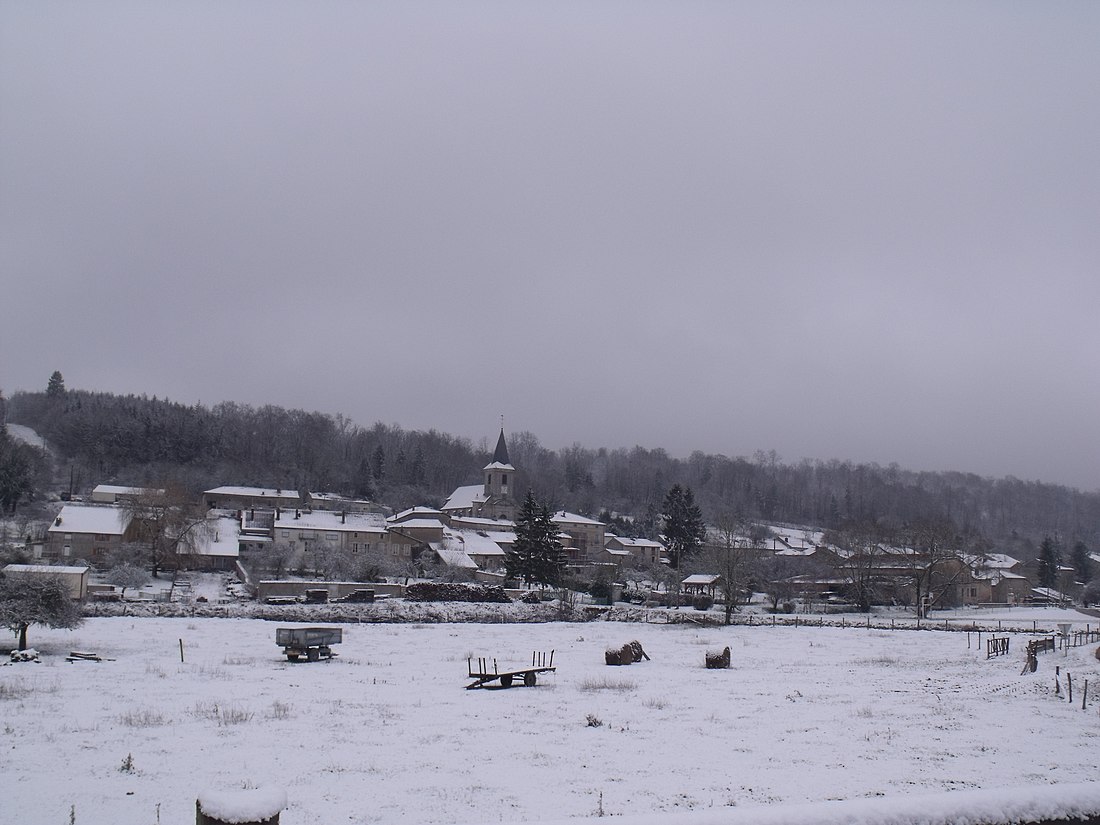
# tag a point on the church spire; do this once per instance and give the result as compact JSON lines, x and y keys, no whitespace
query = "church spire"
{"x":500,"y":454}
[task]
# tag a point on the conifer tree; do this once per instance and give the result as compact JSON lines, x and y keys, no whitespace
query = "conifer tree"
{"x":1082,"y":564}
{"x":55,"y":388}
{"x":1049,"y":560}
{"x":536,"y":556}
{"x":683,"y":523}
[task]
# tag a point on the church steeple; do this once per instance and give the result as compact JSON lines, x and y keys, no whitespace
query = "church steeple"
{"x":498,"y":481}
{"x":500,"y":454}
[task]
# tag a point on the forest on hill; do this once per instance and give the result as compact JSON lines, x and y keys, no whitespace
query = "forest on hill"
{"x":130,"y":439}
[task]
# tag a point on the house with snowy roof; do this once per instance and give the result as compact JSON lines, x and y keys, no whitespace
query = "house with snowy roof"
{"x":585,"y":538}
{"x":116,"y":494}
{"x":492,"y":499}
{"x":89,"y":531}
{"x":640,"y":551}
{"x":231,"y":497}
{"x":309,"y":531}
{"x":216,"y":546}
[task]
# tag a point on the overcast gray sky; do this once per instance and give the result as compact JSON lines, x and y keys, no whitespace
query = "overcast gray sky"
{"x":865,"y":231}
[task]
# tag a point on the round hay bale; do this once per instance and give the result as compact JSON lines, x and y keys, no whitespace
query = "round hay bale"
{"x":718,"y":659}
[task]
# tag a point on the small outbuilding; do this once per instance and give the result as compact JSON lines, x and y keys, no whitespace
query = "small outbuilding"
{"x":701,"y":584}
{"x":75,"y":578}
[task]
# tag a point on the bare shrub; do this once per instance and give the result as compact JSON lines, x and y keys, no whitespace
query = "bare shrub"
{"x":608,"y":684}
{"x":142,"y":718}
{"x":279,"y":710}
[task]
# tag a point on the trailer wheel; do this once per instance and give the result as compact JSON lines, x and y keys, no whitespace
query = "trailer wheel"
{"x":506,"y":680}
{"x":313,"y":655}
{"x":529,"y":679}
{"x":292,"y":657}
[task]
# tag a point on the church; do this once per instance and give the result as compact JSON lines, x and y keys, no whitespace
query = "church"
{"x":493,"y":498}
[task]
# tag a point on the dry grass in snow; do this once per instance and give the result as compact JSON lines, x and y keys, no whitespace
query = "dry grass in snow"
{"x":386,"y":732}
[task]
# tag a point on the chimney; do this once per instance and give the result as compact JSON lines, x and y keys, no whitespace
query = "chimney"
{"x":296,"y":513}
{"x":343,"y":517}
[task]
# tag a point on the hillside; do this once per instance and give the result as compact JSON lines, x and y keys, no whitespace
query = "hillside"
{"x":103,"y":437}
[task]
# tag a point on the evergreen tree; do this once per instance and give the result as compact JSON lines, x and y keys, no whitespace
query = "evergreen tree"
{"x":683,"y":522}
{"x":378,"y":462}
{"x":1049,"y":560}
{"x":536,"y":556}
{"x":1082,"y":564}
{"x":56,"y":386}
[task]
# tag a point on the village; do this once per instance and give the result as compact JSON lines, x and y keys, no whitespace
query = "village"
{"x":286,"y":546}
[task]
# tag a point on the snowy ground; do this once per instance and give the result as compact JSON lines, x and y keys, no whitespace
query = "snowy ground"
{"x":386,"y":732}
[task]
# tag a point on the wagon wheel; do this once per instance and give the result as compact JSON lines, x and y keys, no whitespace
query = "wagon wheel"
{"x":506,"y":680}
{"x":529,"y":679}
{"x":314,"y":654}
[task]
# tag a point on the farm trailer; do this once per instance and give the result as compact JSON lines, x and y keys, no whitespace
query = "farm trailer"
{"x":311,"y":642}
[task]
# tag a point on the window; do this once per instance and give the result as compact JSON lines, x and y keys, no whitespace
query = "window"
{"x":286,"y":534}
{"x":68,"y":537}
{"x":66,"y":551}
{"x":332,"y":536}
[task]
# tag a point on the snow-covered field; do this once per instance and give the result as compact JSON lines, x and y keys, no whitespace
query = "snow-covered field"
{"x":386,"y":732}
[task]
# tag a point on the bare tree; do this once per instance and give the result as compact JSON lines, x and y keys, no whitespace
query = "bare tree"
{"x":936,"y":563}
{"x":169,"y":522}
{"x":127,"y":575}
{"x":731,"y":559}
{"x":859,"y":553}
{"x":776,"y":575}
{"x":35,"y":599}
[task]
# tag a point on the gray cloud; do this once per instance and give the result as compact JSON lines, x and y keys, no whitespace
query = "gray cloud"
{"x":854,"y":230}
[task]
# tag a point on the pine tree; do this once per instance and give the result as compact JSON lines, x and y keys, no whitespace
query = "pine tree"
{"x":56,"y":386}
{"x":683,"y":522}
{"x":1082,"y":564}
{"x":536,"y":556}
{"x":1049,"y":560}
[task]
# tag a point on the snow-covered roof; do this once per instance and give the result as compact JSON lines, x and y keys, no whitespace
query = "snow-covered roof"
{"x":798,"y":552}
{"x":220,"y":538}
{"x":116,"y":490}
{"x":562,"y":517}
{"x":43,"y":569}
{"x":701,"y":578}
{"x":496,"y":465}
{"x":629,"y":542}
{"x":103,"y":520}
{"x":332,"y":521}
{"x":418,"y":522}
{"x":463,"y":498}
{"x":255,"y":492}
{"x":452,"y":554}
{"x":415,"y":512}
{"x":476,"y":544}
{"x":611,"y":551}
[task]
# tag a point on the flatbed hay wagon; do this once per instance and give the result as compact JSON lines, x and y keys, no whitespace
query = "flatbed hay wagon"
{"x":485,"y":671}
{"x":314,"y":643}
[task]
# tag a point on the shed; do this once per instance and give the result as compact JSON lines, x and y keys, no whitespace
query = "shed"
{"x":75,"y":578}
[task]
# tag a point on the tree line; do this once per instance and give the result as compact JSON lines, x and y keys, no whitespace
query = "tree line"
{"x":132,"y":439}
